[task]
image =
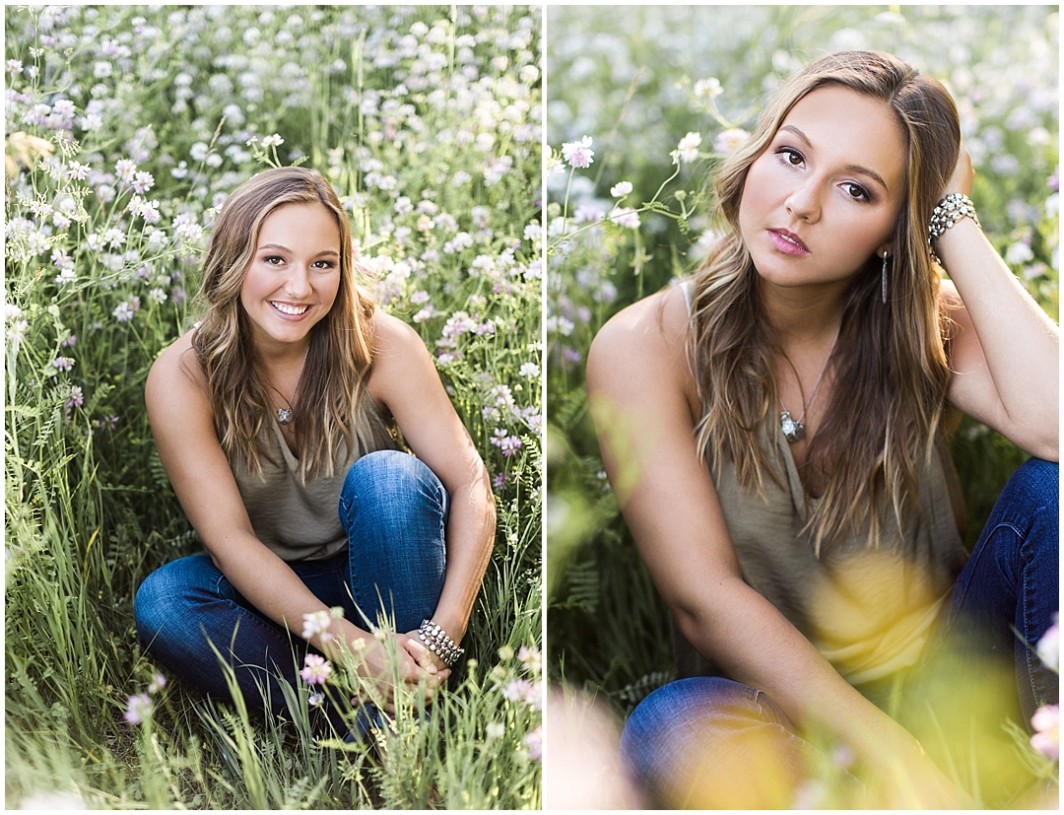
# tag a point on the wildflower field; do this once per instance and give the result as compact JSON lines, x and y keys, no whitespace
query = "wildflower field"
{"x":126,"y":127}
{"x":642,"y":104}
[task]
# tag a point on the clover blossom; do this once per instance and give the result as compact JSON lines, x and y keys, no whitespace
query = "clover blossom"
{"x":318,"y":622}
{"x":1048,"y":647}
{"x":530,"y":657}
{"x":729,"y":141}
{"x":316,"y":670}
{"x":708,"y":88}
{"x":687,"y":150}
{"x":138,"y":708}
{"x":624,"y":216}
{"x":1046,"y":738}
{"x":579,"y":153}
{"x":494,"y":730}
{"x":534,"y":743}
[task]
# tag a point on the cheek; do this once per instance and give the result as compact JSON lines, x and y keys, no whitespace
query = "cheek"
{"x":757,"y":189}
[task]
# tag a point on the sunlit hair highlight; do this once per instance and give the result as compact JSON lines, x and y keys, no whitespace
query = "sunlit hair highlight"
{"x":890,"y":369}
{"x":330,"y":396}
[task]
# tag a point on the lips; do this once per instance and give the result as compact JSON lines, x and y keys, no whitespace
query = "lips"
{"x":788,"y":243}
{"x":290,"y":309}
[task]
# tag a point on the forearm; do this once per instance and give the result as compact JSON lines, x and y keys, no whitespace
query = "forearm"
{"x":1020,"y":342}
{"x":275,"y":590}
{"x":750,"y":639}
{"x":470,"y":536}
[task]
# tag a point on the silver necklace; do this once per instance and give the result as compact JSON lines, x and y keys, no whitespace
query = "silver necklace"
{"x":794,"y":429}
{"x":287,"y":413}
{"x":284,"y":414}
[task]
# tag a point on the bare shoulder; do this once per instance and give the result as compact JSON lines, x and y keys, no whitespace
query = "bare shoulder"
{"x":644,"y":344}
{"x":402,"y":366}
{"x":176,"y":378}
{"x":391,"y":336}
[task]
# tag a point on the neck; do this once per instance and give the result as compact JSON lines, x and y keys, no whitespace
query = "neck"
{"x":802,"y":316}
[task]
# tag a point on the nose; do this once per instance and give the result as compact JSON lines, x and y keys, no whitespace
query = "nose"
{"x":804,"y":202}
{"x":297,"y":285}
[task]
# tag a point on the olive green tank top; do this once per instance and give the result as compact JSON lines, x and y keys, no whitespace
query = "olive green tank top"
{"x":300,"y":520}
{"x":868,"y":611}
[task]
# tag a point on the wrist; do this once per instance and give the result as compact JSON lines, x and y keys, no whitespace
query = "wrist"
{"x":439,"y":642}
{"x":952,"y":210}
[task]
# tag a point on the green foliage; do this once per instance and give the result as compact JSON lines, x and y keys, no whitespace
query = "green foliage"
{"x":638,"y":84}
{"x":127,"y":126}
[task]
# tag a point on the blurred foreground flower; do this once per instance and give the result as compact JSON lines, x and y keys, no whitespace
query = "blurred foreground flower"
{"x":22,"y":151}
{"x":579,"y":153}
{"x":534,"y":743}
{"x":1046,"y":738}
{"x":1049,"y":645}
{"x":316,"y":669}
{"x":138,"y":708}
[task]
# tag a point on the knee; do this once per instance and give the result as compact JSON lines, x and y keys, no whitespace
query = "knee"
{"x":1038,"y":481}
{"x":669,"y":712}
{"x":391,"y":482}
{"x":152,"y":604}
{"x":164,"y":598}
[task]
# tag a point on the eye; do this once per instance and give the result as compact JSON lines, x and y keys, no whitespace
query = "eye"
{"x":323,"y":264}
{"x":790,"y":156}
{"x":856,"y":192}
{"x":273,"y":260}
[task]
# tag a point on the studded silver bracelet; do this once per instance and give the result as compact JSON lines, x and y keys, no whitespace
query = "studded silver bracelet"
{"x":950,"y":209}
{"x":439,"y":642}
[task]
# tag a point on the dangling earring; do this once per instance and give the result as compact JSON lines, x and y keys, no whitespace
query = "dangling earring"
{"x":883,"y":276}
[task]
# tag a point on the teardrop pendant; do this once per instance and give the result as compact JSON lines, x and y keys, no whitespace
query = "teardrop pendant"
{"x":793,"y":429}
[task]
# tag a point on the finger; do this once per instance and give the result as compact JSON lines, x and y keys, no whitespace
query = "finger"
{"x":421,"y":655}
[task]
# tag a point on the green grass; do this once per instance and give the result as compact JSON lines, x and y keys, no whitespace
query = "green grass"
{"x":94,"y":291}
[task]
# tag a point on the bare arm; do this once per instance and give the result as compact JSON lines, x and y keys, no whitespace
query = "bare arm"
{"x":182,"y":425}
{"x":405,"y":380}
{"x":644,"y":400}
{"x":1004,"y":350}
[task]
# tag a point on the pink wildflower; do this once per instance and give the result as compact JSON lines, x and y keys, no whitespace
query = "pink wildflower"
{"x":1046,"y":739}
{"x":138,"y":708}
{"x":316,"y":670}
{"x":534,"y":743}
{"x":579,"y":153}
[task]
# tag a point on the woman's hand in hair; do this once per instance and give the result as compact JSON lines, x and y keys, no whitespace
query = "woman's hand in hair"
{"x":963,"y":175}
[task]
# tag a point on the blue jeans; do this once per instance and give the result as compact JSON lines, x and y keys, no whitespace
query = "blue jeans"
{"x":709,"y":742}
{"x":393,"y":509}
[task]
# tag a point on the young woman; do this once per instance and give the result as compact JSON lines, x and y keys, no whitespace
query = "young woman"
{"x":775,"y":436}
{"x":274,"y":419}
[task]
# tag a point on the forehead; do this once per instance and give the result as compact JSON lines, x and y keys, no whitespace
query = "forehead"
{"x":852,"y":129}
{"x":299,"y":222}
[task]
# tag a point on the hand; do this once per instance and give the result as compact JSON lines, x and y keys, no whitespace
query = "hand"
{"x":422,"y":655}
{"x":963,"y":174}
{"x":378,"y":658}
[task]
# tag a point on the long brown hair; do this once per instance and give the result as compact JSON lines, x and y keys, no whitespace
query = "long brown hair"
{"x":890,"y":358}
{"x":329,"y":397}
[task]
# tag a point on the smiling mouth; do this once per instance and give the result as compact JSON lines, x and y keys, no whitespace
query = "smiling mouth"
{"x":290,"y":310}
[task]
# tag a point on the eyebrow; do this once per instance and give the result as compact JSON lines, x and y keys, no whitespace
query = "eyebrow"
{"x":286,"y":249}
{"x":855,"y":168}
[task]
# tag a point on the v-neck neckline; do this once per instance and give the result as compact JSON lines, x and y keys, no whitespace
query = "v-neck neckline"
{"x":286,"y":451}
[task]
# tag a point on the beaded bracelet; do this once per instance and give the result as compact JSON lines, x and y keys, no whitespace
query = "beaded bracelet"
{"x":439,"y":642}
{"x":950,"y":209}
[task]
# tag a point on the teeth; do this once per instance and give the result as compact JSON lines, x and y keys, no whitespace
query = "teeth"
{"x":284,"y":308}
